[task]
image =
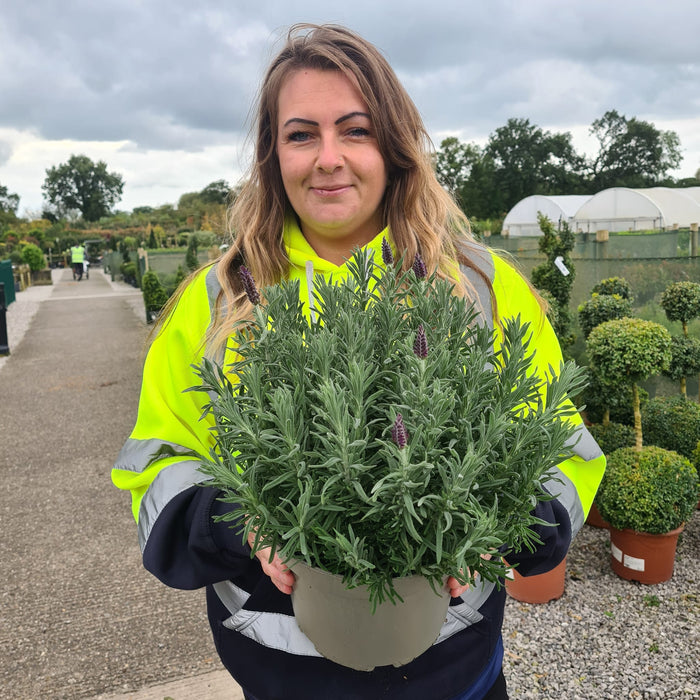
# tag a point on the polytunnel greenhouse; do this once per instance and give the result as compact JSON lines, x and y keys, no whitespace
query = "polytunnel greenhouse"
{"x":614,"y":209}
{"x":521,"y":220}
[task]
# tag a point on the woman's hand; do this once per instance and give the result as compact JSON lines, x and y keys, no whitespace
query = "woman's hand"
{"x":455,"y":588}
{"x":278,"y":572}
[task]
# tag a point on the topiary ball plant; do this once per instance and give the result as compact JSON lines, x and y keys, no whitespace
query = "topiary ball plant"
{"x":653,"y":491}
{"x":685,"y":360}
{"x":614,"y":286}
{"x":600,"y":308}
{"x":672,"y":422}
{"x":681,"y":302}
{"x":629,"y":350}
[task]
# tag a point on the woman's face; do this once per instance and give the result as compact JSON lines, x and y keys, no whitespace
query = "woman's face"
{"x":333,"y":172}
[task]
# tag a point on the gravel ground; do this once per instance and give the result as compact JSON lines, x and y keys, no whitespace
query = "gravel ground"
{"x":606,"y":638}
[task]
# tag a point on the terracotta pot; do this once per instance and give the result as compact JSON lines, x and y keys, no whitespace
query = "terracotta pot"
{"x":340,"y":623}
{"x":639,"y":556}
{"x":540,"y":588}
{"x":595,"y":519}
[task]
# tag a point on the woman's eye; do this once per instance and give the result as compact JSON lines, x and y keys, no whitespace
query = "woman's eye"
{"x":359,"y":131}
{"x":299,"y":136}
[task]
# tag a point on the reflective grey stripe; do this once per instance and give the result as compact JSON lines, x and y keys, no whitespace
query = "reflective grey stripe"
{"x":586,"y":447}
{"x":136,"y":454}
{"x":281,"y":632}
{"x":563,"y":489}
{"x":213,"y":288}
{"x":483,"y":260}
{"x":170,"y":481}
{"x":310,"y":289}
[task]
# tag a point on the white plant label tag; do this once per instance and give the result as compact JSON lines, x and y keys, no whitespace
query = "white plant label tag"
{"x":633,"y":563}
{"x":616,"y":552}
{"x":559,"y":262}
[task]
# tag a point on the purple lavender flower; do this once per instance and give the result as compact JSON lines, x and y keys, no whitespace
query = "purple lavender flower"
{"x":387,"y":255}
{"x":398,"y":432}
{"x":419,"y":267}
{"x":249,"y":285}
{"x":420,"y":344}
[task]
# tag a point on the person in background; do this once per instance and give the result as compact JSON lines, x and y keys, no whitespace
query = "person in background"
{"x":342,"y":160}
{"x":77,"y":259}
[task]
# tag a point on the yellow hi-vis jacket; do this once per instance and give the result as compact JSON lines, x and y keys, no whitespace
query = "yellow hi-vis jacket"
{"x":77,"y":254}
{"x":184,"y":547}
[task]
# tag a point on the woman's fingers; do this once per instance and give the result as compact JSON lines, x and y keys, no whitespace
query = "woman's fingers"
{"x":278,"y":572}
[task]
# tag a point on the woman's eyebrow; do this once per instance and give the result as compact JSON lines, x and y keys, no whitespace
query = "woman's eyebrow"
{"x":311,"y":122}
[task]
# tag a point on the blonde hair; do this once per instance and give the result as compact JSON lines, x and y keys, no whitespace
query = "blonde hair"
{"x":421,"y":216}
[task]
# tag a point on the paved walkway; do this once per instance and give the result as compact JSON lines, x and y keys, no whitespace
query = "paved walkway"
{"x":80,"y":616}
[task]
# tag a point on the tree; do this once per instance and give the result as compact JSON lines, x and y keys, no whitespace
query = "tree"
{"x":83,"y":185}
{"x":632,"y":152}
{"x":216,"y":192}
{"x":8,"y":202}
{"x":556,"y":274}
{"x":629,"y":350}
{"x":530,"y":161}
{"x":8,"y":207}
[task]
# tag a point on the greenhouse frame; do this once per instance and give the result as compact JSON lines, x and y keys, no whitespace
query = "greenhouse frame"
{"x":613,"y":209}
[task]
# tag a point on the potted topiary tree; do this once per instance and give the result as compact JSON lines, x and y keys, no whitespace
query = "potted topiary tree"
{"x":646,"y":497}
{"x":645,"y":491}
{"x":681,"y":302}
{"x":371,"y":443}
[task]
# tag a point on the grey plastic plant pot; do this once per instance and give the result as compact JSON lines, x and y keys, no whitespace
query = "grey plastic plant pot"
{"x":340,"y":623}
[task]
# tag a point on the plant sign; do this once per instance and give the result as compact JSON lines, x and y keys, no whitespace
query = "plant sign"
{"x":385,"y":432}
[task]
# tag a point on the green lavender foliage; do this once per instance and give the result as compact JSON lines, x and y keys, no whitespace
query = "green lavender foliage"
{"x":303,"y":431}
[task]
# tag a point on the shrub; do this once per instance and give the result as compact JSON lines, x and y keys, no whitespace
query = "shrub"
{"x":614,"y":286}
{"x":600,"y":308}
{"x":32,"y":256}
{"x":672,"y":422}
{"x":384,"y":436}
{"x":629,"y":350}
{"x":128,"y":270}
{"x":612,"y":436}
{"x":681,"y":302}
{"x":685,"y":360}
{"x":652,"y":491}
{"x":154,"y":295}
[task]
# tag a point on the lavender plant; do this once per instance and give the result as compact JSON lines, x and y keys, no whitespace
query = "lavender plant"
{"x":383,"y":435}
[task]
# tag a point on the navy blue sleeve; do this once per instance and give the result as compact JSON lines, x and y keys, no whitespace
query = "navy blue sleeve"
{"x":186,"y":549}
{"x":556,"y":539}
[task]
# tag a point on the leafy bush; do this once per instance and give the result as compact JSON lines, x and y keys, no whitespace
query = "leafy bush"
{"x":612,"y":436}
{"x":629,"y":349}
{"x":616,"y":400}
{"x":672,"y":422}
{"x":614,"y":286}
{"x":384,"y":436}
{"x":32,"y":256}
{"x":154,"y":295}
{"x":600,"y":308}
{"x":128,"y":270}
{"x":547,"y":276}
{"x":652,"y":491}
{"x":681,"y":302}
{"x":685,"y":359}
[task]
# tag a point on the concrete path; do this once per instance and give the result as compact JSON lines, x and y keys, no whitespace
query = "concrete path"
{"x":81,"y":618}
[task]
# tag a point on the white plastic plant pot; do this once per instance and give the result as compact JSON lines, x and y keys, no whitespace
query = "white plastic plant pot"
{"x":340,"y":623}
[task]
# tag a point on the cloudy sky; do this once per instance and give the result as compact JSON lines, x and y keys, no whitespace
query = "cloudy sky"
{"x":161,"y":89}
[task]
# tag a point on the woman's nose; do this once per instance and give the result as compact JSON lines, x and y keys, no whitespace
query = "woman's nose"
{"x":329,"y":156}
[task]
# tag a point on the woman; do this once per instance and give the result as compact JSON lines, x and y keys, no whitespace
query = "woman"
{"x":341,"y":161}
